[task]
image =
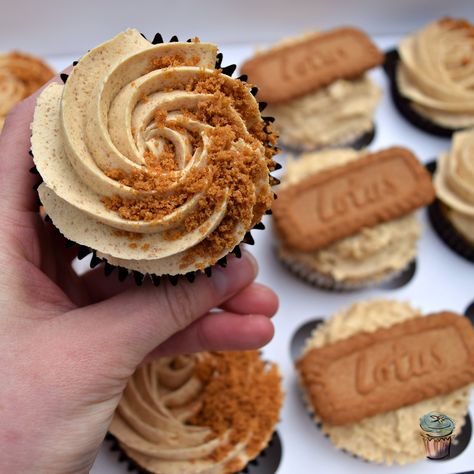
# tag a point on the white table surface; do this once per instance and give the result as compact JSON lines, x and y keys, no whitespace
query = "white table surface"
{"x":443,"y":281}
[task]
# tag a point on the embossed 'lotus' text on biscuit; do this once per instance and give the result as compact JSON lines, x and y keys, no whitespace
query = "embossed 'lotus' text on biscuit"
{"x":287,"y":72}
{"x":399,"y":364}
{"x":371,"y":373}
{"x":340,"y":201}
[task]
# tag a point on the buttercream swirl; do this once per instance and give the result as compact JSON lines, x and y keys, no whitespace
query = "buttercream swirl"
{"x":202,"y":413}
{"x":454,"y":182}
{"x":151,"y":142}
{"x":391,"y":437}
{"x":436,"y":72}
{"x":371,"y":254}
{"x":20,"y":75}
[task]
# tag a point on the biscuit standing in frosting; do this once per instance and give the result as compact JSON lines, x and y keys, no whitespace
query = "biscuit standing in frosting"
{"x":151,"y":156}
{"x":316,"y":87}
{"x":454,"y":184}
{"x":210,"y":412}
{"x":345,"y":220}
{"x":20,"y":75}
{"x":436,"y":71}
{"x":369,"y":383}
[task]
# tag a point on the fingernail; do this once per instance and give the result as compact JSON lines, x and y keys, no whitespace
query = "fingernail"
{"x":238,"y":274}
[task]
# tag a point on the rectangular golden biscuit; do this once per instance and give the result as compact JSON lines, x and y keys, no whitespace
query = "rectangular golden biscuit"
{"x":340,"y":201}
{"x":372,"y":373}
{"x":289,"y":71}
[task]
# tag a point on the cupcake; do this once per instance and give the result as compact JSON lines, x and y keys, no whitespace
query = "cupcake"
{"x":318,"y":89}
{"x":433,"y":76}
{"x":436,"y":430}
{"x":201,"y":413}
{"x":454,"y":185}
{"x":345,"y":219}
{"x":20,"y":75}
{"x":371,"y":371}
{"x":152,"y":157}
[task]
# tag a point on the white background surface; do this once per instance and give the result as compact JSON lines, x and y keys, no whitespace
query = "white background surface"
{"x":64,"y":30}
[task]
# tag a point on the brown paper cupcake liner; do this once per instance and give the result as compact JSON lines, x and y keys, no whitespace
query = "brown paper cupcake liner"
{"x":403,"y":104}
{"x":124,"y":273}
{"x":258,"y":465}
{"x":443,"y":227}
{"x":391,"y":280}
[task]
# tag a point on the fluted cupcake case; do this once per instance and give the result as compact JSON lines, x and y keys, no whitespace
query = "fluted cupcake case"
{"x":139,"y":276}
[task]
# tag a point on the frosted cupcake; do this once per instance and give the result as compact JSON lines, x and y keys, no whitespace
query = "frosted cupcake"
{"x":203,"y":413}
{"x":334,"y":234}
{"x":20,"y":75}
{"x":454,"y":185}
{"x":435,"y":75}
{"x":152,"y":157}
{"x":383,"y":376}
{"x":318,"y":89}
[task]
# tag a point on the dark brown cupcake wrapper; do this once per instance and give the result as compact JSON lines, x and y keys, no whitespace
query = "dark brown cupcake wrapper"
{"x":124,"y":273}
{"x":359,"y":143}
{"x":255,"y":466}
{"x":443,"y":227}
{"x":448,"y":233}
{"x":403,"y":104}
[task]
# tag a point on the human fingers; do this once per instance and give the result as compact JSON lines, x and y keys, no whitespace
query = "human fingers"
{"x":218,"y":332}
{"x":138,"y":320}
{"x":255,"y":298}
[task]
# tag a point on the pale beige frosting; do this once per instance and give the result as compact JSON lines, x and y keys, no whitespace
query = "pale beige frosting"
{"x":153,"y":419}
{"x":392,"y":437}
{"x":102,"y":119}
{"x":334,"y":115}
{"x":454,"y":182}
{"x":436,"y":72}
{"x":373,"y":253}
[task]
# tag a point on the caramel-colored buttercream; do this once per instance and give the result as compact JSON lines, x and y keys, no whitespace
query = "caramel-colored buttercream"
{"x":391,"y":437}
{"x":371,"y":254}
{"x":454,"y":183}
{"x":334,"y":115}
{"x":210,"y":412}
{"x":153,"y":140}
{"x":20,"y":75}
{"x":436,"y":72}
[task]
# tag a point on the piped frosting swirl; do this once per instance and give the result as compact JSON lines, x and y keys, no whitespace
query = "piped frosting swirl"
{"x":436,"y":72}
{"x":202,"y":413}
{"x":152,"y":156}
{"x":454,"y":182}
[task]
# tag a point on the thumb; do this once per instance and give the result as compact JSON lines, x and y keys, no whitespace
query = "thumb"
{"x":132,"y":324}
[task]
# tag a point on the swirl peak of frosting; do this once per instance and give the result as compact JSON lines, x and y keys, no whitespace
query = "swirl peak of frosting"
{"x":436,"y":72}
{"x":210,"y":412}
{"x":154,"y":143}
